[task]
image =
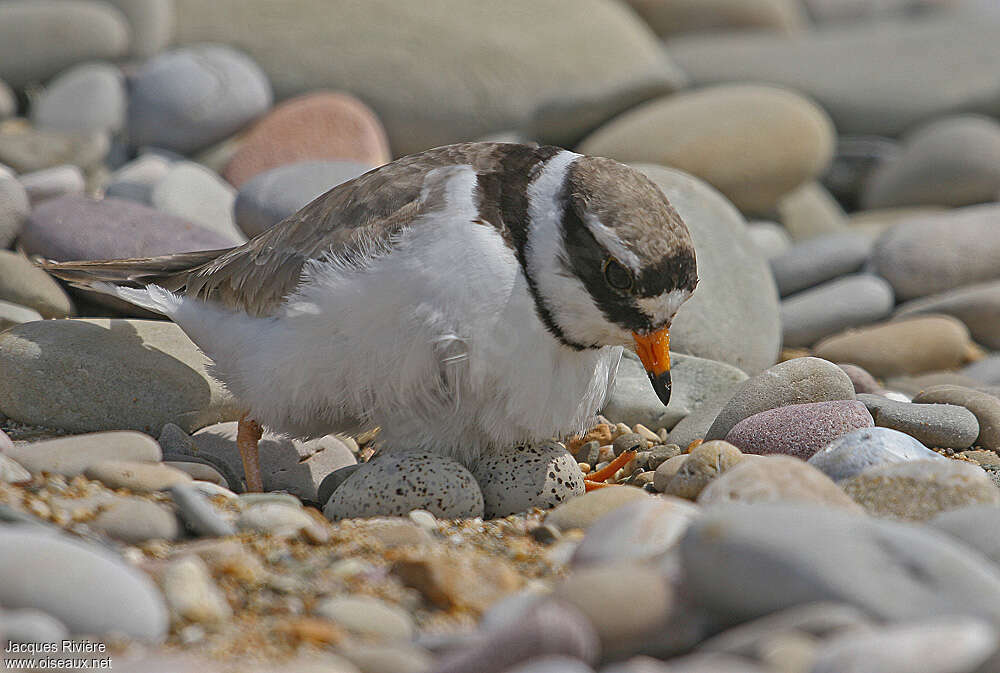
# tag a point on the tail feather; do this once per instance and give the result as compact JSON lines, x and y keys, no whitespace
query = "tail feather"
{"x":169,"y":271}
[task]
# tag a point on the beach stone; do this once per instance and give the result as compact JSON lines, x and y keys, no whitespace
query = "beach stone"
{"x":14,"y":209}
{"x":152,"y":24}
{"x":31,"y":626}
{"x":76,"y":227}
{"x":985,"y":371}
{"x":15,"y":314}
{"x":862,"y":380}
{"x":770,"y":238}
{"x":292,"y":465}
{"x":736,"y":293}
{"x":952,"y":161}
{"x":394,"y":483}
{"x":672,"y":17}
{"x":877,"y":79}
{"x":940,"y":645}
{"x":50,"y":183}
{"x":506,"y":71}
{"x":385,"y":658}
{"x":694,"y":381}
{"x":855,"y":158}
{"x":798,"y":430}
{"x":739,"y":560}
{"x":581,"y":512}
{"x":194,"y":193}
{"x":11,"y":472}
{"x":135,"y":520}
{"x":906,"y":346}
{"x":135,"y":476}
{"x":775,"y":479}
{"x":367,"y":616}
{"x":70,"y":456}
{"x":936,"y":253}
{"x":978,"y":306}
{"x":272,"y":195}
{"x":199,"y":471}
{"x":810,"y":211}
{"x":986,"y":408}
{"x":86,"y":98}
{"x":44,"y":37}
{"x":23,"y":283}
{"x":517,"y":479}
{"x":451,"y":580}
{"x":101,"y":374}
{"x":197,"y":513}
{"x":666,"y":470}
{"x":974,"y":525}
{"x":27,"y":149}
{"x":275,"y":518}
{"x":190,"y":97}
{"x":796,"y":381}
{"x":704,"y":464}
{"x":551,"y":664}
{"x":817,"y":260}
{"x":332,"y":482}
{"x":921,"y":489}
{"x":317,"y":126}
{"x":192,"y":594}
{"x":937,"y":425}
{"x":8,"y":101}
{"x":89,"y":589}
{"x":135,"y":180}
{"x":642,"y":529}
{"x":854,"y":452}
{"x":849,"y":301}
{"x":910,"y":386}
{"x":727,"y":136}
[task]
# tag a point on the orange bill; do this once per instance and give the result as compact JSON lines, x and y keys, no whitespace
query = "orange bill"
{"x":654,"y":351}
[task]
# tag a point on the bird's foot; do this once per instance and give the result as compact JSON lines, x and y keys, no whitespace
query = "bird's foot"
{"x":248,"y":433}
{"x":599,"y":479}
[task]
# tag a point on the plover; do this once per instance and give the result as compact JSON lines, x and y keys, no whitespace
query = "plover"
{"x":462,"y":299}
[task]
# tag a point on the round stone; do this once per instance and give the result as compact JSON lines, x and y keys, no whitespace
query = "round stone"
{"x":27,"y":149}
{"x":799,"y":430}
{"x":642,"y":529}
{"x":135,"y":520}
{"x":523,"y":477}
{"x":978,"y":306}
{"x":703,"y":464}
{"x":986,"y":408}
{"x":152,"y":24}
{"x":135,"y":180}
{"x":83,"y":99}
{"x":692,"y":16}
{"x":50,"y":183}
{"x":23,"y":283}
{"x":192,"y":594}
{"x":70,"y":456}
{"x":194,"y":193}
{"x":770,"y":238}
{"x":818,"y":260}
{"x":862,"y":380}
{"x":775,"y":479}
{"x":856,"y":451}
{"x":14,"y":208}
{"x":936,"y":425}
{"x":581,"y":512}
{"x":135,"y":476}
{"x":811,"y":211}
{"x":15,"y":314}
{"x":850,"y":301}
{"x":276,"y":518}
{"x":367,"y":616}
{"x":753,"y":143}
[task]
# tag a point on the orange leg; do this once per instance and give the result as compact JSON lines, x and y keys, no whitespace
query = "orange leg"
{"x":248,"y":433}
{"x":596,"y":480}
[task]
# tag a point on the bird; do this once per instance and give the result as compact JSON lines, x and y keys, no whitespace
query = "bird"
{"x":465,"y":299}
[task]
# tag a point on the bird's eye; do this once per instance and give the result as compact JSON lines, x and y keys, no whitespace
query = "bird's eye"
{"x":617,"y":275}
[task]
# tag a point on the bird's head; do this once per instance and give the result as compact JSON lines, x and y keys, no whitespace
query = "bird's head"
{"x":608,"y":258}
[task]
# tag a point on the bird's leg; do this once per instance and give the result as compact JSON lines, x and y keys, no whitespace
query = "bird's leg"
{"x":597,"y":479}
{"x":248,"y":433}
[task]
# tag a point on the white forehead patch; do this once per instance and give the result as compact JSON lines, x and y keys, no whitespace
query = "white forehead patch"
{"x":662,"y":308}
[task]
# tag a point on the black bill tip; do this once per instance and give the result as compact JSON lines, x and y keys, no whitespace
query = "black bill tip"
{"x":661,"y":384}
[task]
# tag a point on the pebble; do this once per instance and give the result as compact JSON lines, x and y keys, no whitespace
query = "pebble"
{"x":392,"y":532}
{"x":27,"y":149}
{"x":938,"y":645}
{"x":517,"y":479}
{"x":86,"y":98}
{"x":940,"y":425}
{"x":854,"y":160}
{"x":70,"y":456}
{"x":21,"y":282}
{"x":199,"y":471}
{"x":851,"y":454}
{"x":798,"y":430}
{"x":31,"y":626}
{"x":387,"y":658}
{"x":909,"y":387}
{"x":272,"y":195}
{"x":77,"y":227}
{"x":367,"y":616}
{"x":50,"y":183}
{"x":398,"y":482}
{"x":974,"y":525}
{"x":292,"y":465}
{"x":906,"y":346}
{"x":775,"y":479}
{"x":332,"y":482}
{"x":135,"y":476}
{"x":797,"y":381}
{"x":695,"y":425}
{"x":15,"y":314}
{"x":42,"y":38}
{"x":152,"y":24}
{"x":736,"y":293}
{"x":770,"y":238}
{"x":726,"y":135}
{"x":190,"y":97}
{"x":705,"y":463}
{"x":921,"y":489}
{"x":317,"y":126}
{"x":738,"y":559}
{"x":14,"y":209}
{"x":8,"y":101}
{"x":977,"y":306}
{"x":666,"y":470}
{"x":274,"y":518}
{"x":135,"y":520}
{"x":680,"y":18}
{"x":101,"y":374}
{"x":849,"y":301}
{"x":694,"y":381}
{"x":985,"y":407}
{"x":135,"y":180}
{"x":820,"y":259}
{"x":638,"y":530}
{"x":11,"y":472}
{"x":952,"y":161}
{"x":862,"y":380}
{"x":581,"y":512}
{"x":198,"y":514}
{"x":453,"y":580}
{"x":194,"y":193}
{"x":985,"y":371}
{"x":551,"y":664}
{"x":87,"y":588}
{"x":192,"y":594}
{"x":811,"y":211}
{"x":935,"y":253}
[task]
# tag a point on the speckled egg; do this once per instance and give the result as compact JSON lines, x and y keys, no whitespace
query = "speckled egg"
{"x":395,"y":483}
{"x":522,"y":477}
